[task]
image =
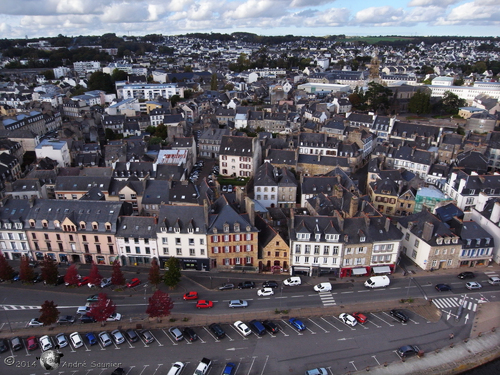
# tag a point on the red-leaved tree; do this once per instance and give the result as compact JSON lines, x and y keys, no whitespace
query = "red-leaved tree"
{"x":94,"y":277}
{"x":160,"y":305}
{"x":117,"y":277}
{"x":6,"y":271}
{"x":49,"y":313}
{"x":71,"y":277}
{"x":102,"y":309}
{"x":49,"y":270}
{"x":154,"y":273}
{"x":26,"y":273}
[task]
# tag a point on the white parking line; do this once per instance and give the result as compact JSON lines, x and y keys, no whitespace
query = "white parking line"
{"x":161,"y":364}
{"x":327,"y":322}
{"x":391,"y":325}
{"x":312,"y":321}
{"x":169,"y":337}
{"x":159,"y":343}
{"x":265,"y":363}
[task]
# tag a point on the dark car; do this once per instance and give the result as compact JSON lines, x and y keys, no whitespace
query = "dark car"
{"x":408,"y":350}
{"x":257,"y":327}
{"x":131,"y":335}
{"x":91,"y":338}
{"x":399,"y":315}
{"x":270,"y":284}
{"x":226,"y":286}
{"x":443,"y":287}
{"x":190,"y":334}
{"x":246,"y":285}
{"x":229,"y":369}
{"x":59,"y":281}
{"x":87,"y":319}
{"x":270,"y":326}
{"x":466,"y":275}
{"x":217,"y":330}
{"x":66,"y":319}
{"x":3,"y":345}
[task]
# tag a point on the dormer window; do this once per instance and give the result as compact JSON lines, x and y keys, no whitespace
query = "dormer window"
{"x":478,"y":241}
{"x":177,"y":230}
{"x":236,"y":227}
{"x":226,"y":228}
{"x":439,"y":241}
{"x":317,"y":236}
{"x":362,"y":239}
{"x":95,"y":226}
{"x":82,"y":225}
{"x":45,"y":223}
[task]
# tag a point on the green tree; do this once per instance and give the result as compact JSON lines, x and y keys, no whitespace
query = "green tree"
{"x":49,"y":313}
{"x":451,"y":103}
{"x":119,"y":75}
{"x":101,"y":81}
{"x":188,"y":69}
{"x":377,"y":96}
{"x":420,"y":103}
{"x":213,"y":82}
{"x":174,"y":99}
{"x":49,"y":74}
{"x":172,"y":275}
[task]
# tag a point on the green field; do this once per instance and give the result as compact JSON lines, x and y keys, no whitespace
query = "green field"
{"x":375,"y":39}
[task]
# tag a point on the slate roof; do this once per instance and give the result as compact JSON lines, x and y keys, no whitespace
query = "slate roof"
{"x":411,"y":154}
{"x":225,"y":214}
{"x":156,"y":192}
{"x":237,"y":146}
{"x":15,"y":211}
{"x":286,"y":157}
{"x":82,"y":183}
{"x":333,"y":161}
{"x":183,"y":218}
{"x":419,"y":219}
{"x":264,"y":175}
{"x":137,"y":227}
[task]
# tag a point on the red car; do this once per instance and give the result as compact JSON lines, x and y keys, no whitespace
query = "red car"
{"x":134,"y":282}
{"x":361,"y":318}
{"x":31,"y":343}
{"x":83,"y":281}
{"x":190,"y":295}
{"x":202,"y":304}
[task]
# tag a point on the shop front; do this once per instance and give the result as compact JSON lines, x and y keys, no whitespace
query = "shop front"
{"x":188,"y":263}
{"x":383,"y":270}
{"x":357,"y":271}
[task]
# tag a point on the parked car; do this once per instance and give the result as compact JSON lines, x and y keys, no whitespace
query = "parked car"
{"x":408,"y":350}
{"x":297,"y":324}
{"x":83,"y":281}
{"x":190,"y":334}
{"x":323,"y":287}
{"x":190,"y":295}
{"x":45,"y":343}
{"x":176,"y":333}
{"x":31,"y":343}
{"x":270,"y":284}
{"x":399,"y":315}
{"x":317,"y":371}
{"x":83,"y":310}
{"x":76,"y":340}
{"x":106,"y":282}
{"x":61,"y":340}
{"x":105,"y":339}
{"x":66,"y":319}
{"x":246,"y":285}
{"x":91,"y":338}
{"x":117,"y":337}
{"x":257,"y":327}
{"x":87,"y":319}
{"x":115,"y":317}
{"x":131,"y":335}
{"x":442,"y":287}
{"x":360,"y":317}
{"x":264,"y":292}
{"x":3,"y":345}
{"x":147,"y":336}
{"x":471,"y":285}
{"x":466,"y":275}
{"x":237,"y":303}
{"x":270,"y":326}
{"x":176,"y":368}
{"x":229,"y":369}
{"x":242,"y":328}
{"x":217,"y":330}
{"x":134,"y":282}
{"x":494,"y":280}
{"x":226,"y":286}
{"x":35,"y":323}
{"x":203,"y":304}
{"x":16,"y":343}
{"x":348,"y":319}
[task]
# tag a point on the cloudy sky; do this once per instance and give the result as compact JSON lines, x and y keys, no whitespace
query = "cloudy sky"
{"x":37,"y":18}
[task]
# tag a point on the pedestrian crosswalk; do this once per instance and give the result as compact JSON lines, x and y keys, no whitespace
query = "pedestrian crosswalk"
{"x":327,"y":298}
{"x":453,"y":302}
{"x":19,"y":307}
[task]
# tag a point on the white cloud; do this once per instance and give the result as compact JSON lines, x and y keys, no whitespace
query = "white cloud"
{"x":422,"y":14}
{"x":434,"y":3}
{"x":475,"y":11}
{"x":329,"y":17}
{"x":309,"y":3}
{"x":126,"y":12}
{"x":382,"y":16}
{"x":255,"y":8}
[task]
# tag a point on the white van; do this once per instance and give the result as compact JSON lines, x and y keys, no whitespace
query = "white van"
{"x":323,"y":287}
{"x":494,"y":280}
{"x":292,"y":281}
{"x":377,"y":282}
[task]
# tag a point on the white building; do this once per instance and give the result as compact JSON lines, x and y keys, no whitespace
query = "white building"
{"x":55,"y":150}
{"x":136,"y":240}
{"x":13,"y":241}
{"x":487,"y":214}
{"x":61,"y":71}
{"x":150,"y":91}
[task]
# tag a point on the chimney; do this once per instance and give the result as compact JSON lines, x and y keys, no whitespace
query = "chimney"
{"x":495,"y":213}
{"x":250,"y":208}
{"x":338,"y":191}
{"x":205,"y":210}
{"x":387,"y":224}
{"x":427,"y":231}
{"x":410,"y":225}
{"x":353,"y":208}
{"x":292,"y":219}
{"x":340,"y":220}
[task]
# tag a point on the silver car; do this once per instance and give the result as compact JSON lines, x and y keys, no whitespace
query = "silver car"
{"x":117,"y":337}
{"x":61,"y":340}
{"x":105,"y":339}
{"x":238,"y":303}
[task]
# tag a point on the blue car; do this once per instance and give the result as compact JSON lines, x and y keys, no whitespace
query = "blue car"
{"x":297,"y":324}
{"x":91,"y":337}
{"x":229,"y":369}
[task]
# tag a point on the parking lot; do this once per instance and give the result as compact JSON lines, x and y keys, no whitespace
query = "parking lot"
{"x":255,"y":354}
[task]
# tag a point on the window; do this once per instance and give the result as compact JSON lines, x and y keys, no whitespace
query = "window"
{"x":407,"y":237}
{"x":192,"y":252}
{"x":215,"y":238}
{"x":434,"y":263}
{"x":178,"y":251}
{"x":306,"y":259}
{"x":127,"y":249}
{"x":226,"y":249}
{"x":96,"y":238}
{"x":436,"y":252}
{"x":237,"y":248}
{"x":202,"y":241}
{"x":417,"y":242}
{"x":137,"y":250}
{"x":414,"y":254}
{"x":297,"y":249}
{"x":307,"y":249}
{"x":450,"y":262}
{"x":98,"y":249}
{"x":215,"y":249}
{"x":226,"y":238}
{"x":326,"y":250}
{"x":148,"y":250}
{"x":335,"y":250}
{"x":165,"y":251}
{"x":164,"y":241}
{"x":316,"y":249}
{"x":248,"y":247}
{"x":177,"y":241}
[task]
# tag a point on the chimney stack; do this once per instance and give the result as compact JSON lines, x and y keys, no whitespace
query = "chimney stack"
{"x":250,"y":208}
{"x":387,"y":224}
{"x":427,"y":231}
{"x":340,"y":220}
{"x":353,"y":208}
{"x":495,"y":213}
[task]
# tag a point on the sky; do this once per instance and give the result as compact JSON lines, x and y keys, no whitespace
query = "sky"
{"x":45,"y":18}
